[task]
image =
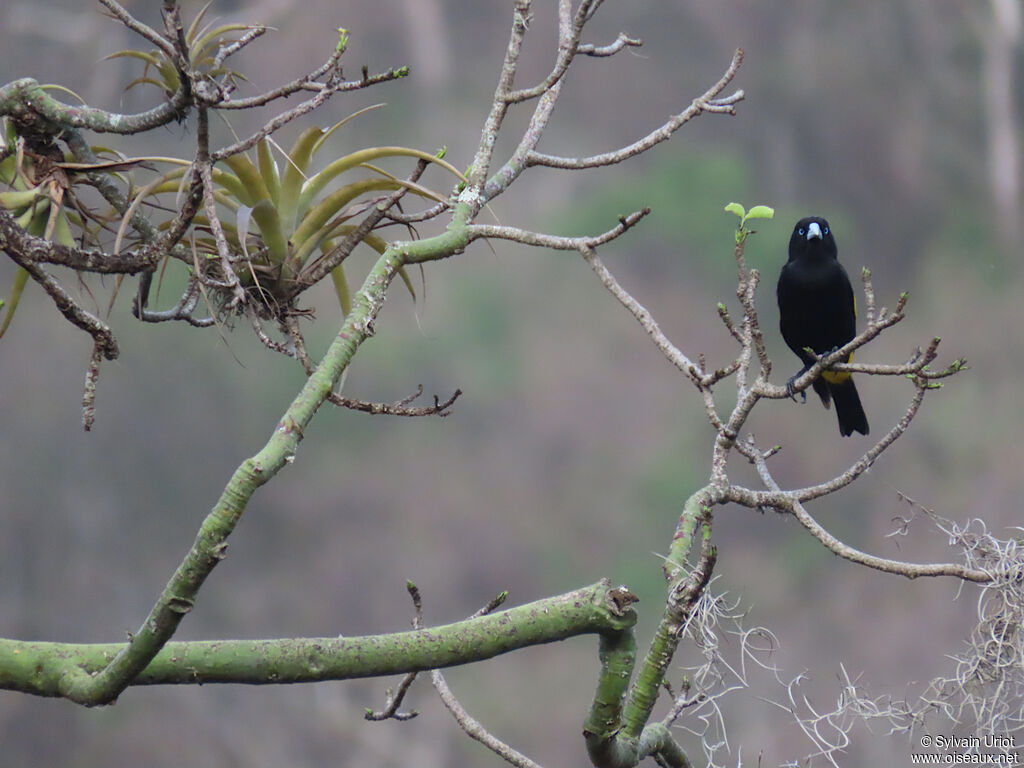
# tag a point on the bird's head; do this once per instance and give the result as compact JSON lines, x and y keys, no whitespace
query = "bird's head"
{"x":812,"y":236}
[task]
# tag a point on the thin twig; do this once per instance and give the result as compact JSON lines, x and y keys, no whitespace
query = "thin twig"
{"x":279,"y":121}
{"x":467,"y":723}
{"x":308,"y":83}
{"x":400,"y":407}
{"x":425,"y":215}
{"x":136,"y":26}
{"x":181,"y":311}
{"x":395,"y":698}
{"x":568,"y":46}
{"x":232,"y":48}
{"x":643,"y":316}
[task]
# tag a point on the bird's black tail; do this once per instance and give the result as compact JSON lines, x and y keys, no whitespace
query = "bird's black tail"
{"x":848,"y":408}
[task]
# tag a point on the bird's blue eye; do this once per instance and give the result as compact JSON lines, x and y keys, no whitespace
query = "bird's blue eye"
{"x":801,"y":231}
{"x":826,"y":230}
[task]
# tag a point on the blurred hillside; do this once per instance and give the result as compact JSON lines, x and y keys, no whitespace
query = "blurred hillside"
{"x":575,"y":443}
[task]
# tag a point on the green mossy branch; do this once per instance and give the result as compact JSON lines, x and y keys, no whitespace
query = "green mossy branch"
{"x":90,"y":686}
{"x":40,"y":667}
{"x":30,"y":104}
{"x":620,"y":736}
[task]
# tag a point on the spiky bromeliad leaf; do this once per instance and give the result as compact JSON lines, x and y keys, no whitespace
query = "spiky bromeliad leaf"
{"x":316,"y":184}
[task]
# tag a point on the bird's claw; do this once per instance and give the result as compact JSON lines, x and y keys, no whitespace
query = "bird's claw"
{"x":791,"y":394}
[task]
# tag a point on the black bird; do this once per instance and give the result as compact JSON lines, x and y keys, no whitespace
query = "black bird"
{"x":817,"y":310}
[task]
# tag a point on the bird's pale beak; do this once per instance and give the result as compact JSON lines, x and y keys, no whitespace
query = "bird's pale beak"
{"x":814,"y":231}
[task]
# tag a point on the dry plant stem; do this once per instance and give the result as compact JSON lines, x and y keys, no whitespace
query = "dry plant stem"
{"x":569,"y":29}
{"x":747,"y":282}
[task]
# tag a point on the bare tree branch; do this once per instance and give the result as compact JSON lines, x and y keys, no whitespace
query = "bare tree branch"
{"x":309,"y":83}
{"x":279,"y":121}
{"x":706,"y":102}
{"x":537,"y":239}
{"x":621,"y":42}
{"x":142,"y":30}
{"x":38,"y":250}
{"x":88,"y":322}
{"x":467,"y":723}
{"x":399,"y":407}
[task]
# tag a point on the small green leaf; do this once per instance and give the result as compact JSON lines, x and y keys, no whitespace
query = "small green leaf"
{"x":760,"y":212}
{"x":342,"y":40}
{"x":736,"y":209}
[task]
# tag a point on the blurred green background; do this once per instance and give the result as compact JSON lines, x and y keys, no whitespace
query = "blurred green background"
{"x":575,"y":443}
